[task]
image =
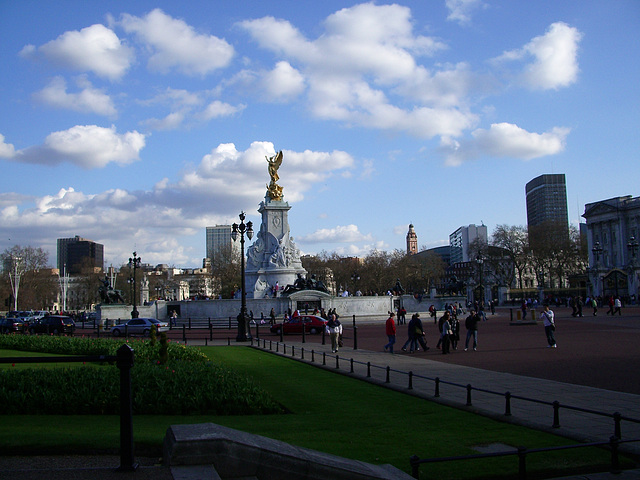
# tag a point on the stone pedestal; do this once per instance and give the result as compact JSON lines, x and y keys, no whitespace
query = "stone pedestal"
{"x":273,"y":259}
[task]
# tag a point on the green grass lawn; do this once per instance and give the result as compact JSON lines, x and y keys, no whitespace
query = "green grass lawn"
{"x":328,"y":412}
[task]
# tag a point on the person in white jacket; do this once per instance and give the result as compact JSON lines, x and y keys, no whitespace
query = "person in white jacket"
{"x":335,"y":330}
{"x":548,"y":320}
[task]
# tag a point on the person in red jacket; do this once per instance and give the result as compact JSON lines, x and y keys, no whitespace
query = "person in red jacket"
{"x":391,"y":332}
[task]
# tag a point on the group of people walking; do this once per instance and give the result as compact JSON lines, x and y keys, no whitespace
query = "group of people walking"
{"x":448,"y":329}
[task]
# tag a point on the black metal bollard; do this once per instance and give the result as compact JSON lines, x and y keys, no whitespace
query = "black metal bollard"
{"x":277,"y":347}
{"x":507,"y":407}
{"x":615,"y":461}
{"x":352,"y":365}
{"x":324,"y":358}
{"x":228,"y":341}
{"x":415,"y":466}
{"x":304,"y":332}
{"x":355,"y":334}
{"x":189,"y":323}
{"x":469,"y":388}
{"x":302,"y":353}
{"x":124,"y":362}
{"x":388,"y":380}
{"x":368,"y":369}
{"x":522,"y":462}
{"x":313,"y":356}
{"x":229,"y":323}
{"x":556,"y":414}
{"x":210,"y":332}
{"x":437,"y":394}
{"x":410,"y":380}
{"x":337,"y":362}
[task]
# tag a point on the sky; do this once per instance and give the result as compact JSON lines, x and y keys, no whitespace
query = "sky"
{"x":137,"y":124}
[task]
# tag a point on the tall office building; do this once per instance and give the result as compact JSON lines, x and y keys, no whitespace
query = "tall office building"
{"x":547,"y":200}
{"x":220,"y":237}
{"x":460,"y":240}
{"x":412,"y":241}
{"x":76,"y":254}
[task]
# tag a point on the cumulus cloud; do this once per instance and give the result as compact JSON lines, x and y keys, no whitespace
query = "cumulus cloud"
{"x":88,"y":100}
{"x":283,"y":82}
{"x":177,"y":45}
{"x":505,"y":140}
{"x":460,"y":10}
{"x":363,"y":70}
{"x":553,"y":58}
{"x":7,"y":150}
{"x":172,"y":208}
{"x":339,"y":234}
{"x":87,"y":146}
{"x":95,"y":48}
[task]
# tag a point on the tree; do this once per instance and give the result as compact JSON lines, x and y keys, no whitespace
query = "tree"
{"x":515,"y":243}
{"x":37,"y":287}
{"x":225,"y":270}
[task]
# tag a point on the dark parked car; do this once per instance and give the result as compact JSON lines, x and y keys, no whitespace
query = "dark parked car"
{"x":139,"y":326}
{"x":11,"y":325}
{"x":53,"y":324}
{"x":312,"y":324}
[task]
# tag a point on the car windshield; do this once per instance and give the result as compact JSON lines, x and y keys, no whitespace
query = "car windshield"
{"x":153,"y":320}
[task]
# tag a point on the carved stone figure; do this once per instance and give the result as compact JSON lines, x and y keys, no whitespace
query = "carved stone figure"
{"x":108,"y":295}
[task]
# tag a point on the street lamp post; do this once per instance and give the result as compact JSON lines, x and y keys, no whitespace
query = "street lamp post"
{"x":597,"y":250}
{"x":134,"y":263}
{"x":244,"y":334}
{"x":480,"y":261}
{"x":355,"y":278}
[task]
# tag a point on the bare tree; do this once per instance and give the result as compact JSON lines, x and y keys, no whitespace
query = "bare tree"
{"x":515,"y":243}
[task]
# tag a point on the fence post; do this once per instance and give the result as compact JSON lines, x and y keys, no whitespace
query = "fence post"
{"x":437,"y":387}
{"x":282,"y":332}
{"x":556,"y":414}
{"x":337,"y":362}
{"x":616,"y":418}
{"x":355,"y":334}
{"x":304,"y":333}
{"x":293,"y":352}
{"x":324,"y":358}
{"x":189,"y":323}
{"x":210,"y":331}
{"x":415,"y":466}
{"x":184,"y":332}
{"x":410,"y":380}
{"x":469,"y":395}
{"x":229,"y":323}
{"x":257,"y":331}
{"x":522,"y":462}
{"x":615,"y":461}
{"x":313,"y":356}
{"x":388,"y":372}
{"x":368,"y":369}
{"x":507,"y":407}
{"x":302,"y":353}
{"x":124,"y":362}
{"x":352,"y":365}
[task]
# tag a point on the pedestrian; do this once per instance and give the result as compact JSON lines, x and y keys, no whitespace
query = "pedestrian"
{"x":579,"y":306}
{"x":419,"y":332}
{"x":617,"y":304}
{"x":523,"y":307}
{"x":547,"y":317}
{"x":471,"y":324}
{"x":335,"y":330}
{"x":411,"y":334}
{"x":272,"y":317}
{"x":455,"y":332}
{"x":445,"y":317}
{"x":594,"y":304}
{"x":611,"y":304}
{"x":446,"y":335}
{"x":433,"y":312}
{"x":402,"y":316}
{"x":391,"y":332}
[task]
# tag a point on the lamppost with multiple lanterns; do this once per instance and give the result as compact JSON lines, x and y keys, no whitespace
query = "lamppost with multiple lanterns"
{"x":597,"y":251}
{"x":480,"y":262}
{"x":244,"y":333}
{"x":134,"y":263}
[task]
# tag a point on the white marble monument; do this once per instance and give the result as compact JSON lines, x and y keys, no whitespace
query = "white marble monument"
{"x":273,"y":260}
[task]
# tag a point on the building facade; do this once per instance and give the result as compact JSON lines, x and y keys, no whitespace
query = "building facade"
{"x":547,"y":200}
{"x":76,"y":254}
{"x":460,"y":240}
{"x":219,"y":238}
{"x":613,"y":227}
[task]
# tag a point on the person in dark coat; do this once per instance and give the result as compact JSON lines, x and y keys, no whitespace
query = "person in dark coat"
{"x":419,"y":332}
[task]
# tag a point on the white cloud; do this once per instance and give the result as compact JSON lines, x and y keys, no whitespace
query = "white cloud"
{"x":283,"y":82}
{"x":339,"y":234}
{"x":88,"y":100}
{"x":506,"y":140}
{"x":7,"y":150}
{"x":169,"y":209}
{"x":554,"y":58}
{"x":177,"y":45}
{"x":95,"y":48}
{"x":87,"y":146}
{"x":217,"y":109}
{"x":363,"y":71}
{"x":460,"y":10}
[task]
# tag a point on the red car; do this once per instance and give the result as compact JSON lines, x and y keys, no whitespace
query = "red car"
{"x":312,"y":324}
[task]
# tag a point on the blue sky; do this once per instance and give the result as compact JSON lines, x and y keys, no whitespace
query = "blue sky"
{"x":138,"y":124}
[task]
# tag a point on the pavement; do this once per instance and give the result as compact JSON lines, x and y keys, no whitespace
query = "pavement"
{"x":453,"y":391}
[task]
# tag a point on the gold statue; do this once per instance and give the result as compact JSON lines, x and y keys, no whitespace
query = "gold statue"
{"x":273,"y":189}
